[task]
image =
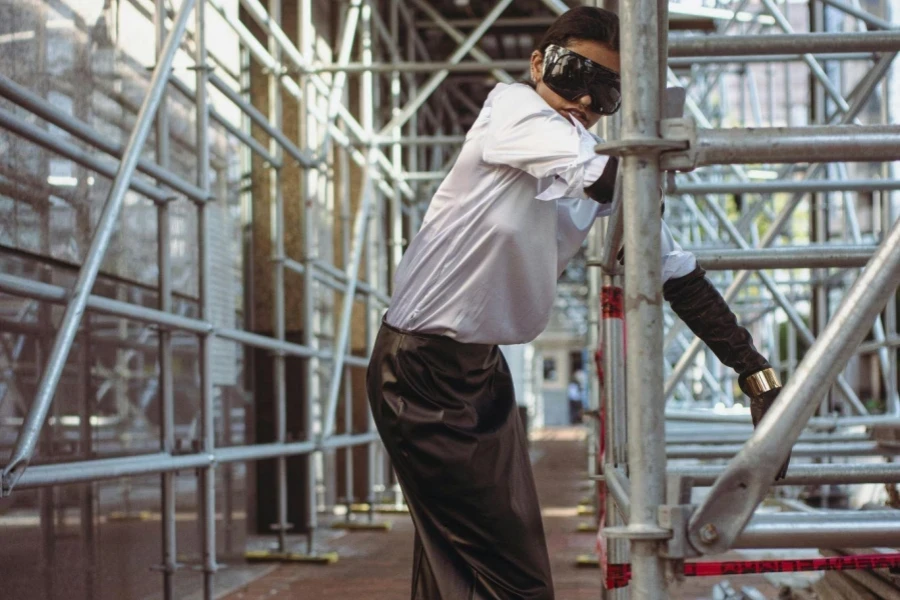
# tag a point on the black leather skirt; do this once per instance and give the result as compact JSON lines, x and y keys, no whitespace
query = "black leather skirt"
{"x":446,"y":412}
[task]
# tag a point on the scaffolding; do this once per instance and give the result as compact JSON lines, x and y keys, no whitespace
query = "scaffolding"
{"x":654,"y":520}
{"x":312,"y":135}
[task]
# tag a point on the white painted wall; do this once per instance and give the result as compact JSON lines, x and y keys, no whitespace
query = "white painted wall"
{"x":515,"y":358}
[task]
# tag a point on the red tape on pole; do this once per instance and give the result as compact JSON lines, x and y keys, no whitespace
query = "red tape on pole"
{"x":618,"y":575}
{"x":611,"y":301}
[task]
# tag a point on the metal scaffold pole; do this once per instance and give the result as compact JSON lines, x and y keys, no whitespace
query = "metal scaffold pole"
{"x":281,"y":526}
{"x":306,"y":38}
{"x":166,"y":385}
{"x":206,"y":476}
{"x":643,"y":24}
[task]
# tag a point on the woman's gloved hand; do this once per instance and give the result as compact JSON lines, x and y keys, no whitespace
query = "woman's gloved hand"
{"x":604,"y":188}
{"x":763,"y":388}
{"x":700,"y":305}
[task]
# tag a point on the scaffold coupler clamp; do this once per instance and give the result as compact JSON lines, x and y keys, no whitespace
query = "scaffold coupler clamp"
{"x":677,"y":145}
{"x":682,"y":134}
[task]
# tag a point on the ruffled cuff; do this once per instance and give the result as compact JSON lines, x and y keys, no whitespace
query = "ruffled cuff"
{"x":585,"y":169}
{"x":677,"y":263}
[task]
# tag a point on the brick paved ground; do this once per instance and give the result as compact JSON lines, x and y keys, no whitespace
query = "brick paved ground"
{"x":376,"y":565}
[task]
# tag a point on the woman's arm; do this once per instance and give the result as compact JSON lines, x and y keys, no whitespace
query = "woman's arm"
{"x":699,"y":304}
{"x":676,"y":262}
{"x":523,"y":132}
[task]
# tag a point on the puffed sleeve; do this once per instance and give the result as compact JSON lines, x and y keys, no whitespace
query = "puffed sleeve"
{"x":676,"y":262}
{"x":525,"y":133}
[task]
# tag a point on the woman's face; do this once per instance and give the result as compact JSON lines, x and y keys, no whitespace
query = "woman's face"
{"x":578,"y":109}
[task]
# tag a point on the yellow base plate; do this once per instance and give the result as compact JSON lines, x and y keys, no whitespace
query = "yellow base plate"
{"x":585,"y":510}
{"x":379,"y":508}
{"x":586,"y":528}
{"x":326,"y":558}
{"x":357,"y":526}
{"x":143,"y":515}
{"x":587,"y":561}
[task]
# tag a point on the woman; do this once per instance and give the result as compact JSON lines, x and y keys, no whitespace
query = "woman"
{"x":482,"y":272}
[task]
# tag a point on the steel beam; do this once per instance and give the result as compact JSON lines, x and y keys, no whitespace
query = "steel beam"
{"x":619,"y":488}
{"x":27,"y":288}
{"x":360,"y":226}
{"x":739,"y":435}
{"x":845,"y":529}
{"x":805,"y":474}
{"x":798,"y":43}
{"x":787,"y":186}
{"x":818,"y":423}
{"x":816,"y":450}
{"x":421,"y":140}
{"x":423,"y":67}
{"x":687,"y":62}
{"x":169,"y":533}
{"x":521,"y":65}
{"x":304,"y":158}
{"x":244,"y":137}
{"x":812,"y":256}
{"x":335,"y":94}
{"x":33,"y":133}
{"x":291,"y":87}
{"x":276,"y":202}
{"x":39,"y":476}
{"x":30,"y":101}
{"x":206,"y":477}
{"x":306,"y":41}
{"x":821,"y":143}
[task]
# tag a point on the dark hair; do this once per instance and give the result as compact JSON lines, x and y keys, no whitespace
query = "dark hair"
{"x":583,"y":23}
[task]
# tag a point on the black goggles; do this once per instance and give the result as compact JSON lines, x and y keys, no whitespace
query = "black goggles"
{"x":572,"y":76}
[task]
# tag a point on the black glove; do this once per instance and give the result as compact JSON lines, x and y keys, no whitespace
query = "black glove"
{"x":761,"y":401}
{"x":603,"y":189}
{"x":703,"y":309}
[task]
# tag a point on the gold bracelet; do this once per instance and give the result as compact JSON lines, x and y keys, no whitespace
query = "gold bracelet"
{"x":761,"y":382}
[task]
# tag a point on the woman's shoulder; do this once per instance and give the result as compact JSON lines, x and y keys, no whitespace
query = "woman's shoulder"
{"x":517,"y":92}
{"x":516,"y":99}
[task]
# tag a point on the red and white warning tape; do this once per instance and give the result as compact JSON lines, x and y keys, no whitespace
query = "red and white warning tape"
{"x":618,"y":575}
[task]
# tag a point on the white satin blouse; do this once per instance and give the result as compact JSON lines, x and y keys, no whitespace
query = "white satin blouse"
{"x":503,"y":224}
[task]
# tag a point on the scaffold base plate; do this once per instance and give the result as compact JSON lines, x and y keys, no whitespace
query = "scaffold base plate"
{"x":380,"y":508}
{"x":129,"y":517}
{"x":587,"y":561}
{"x":324,"y":558}
{"x":362,"y":526}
